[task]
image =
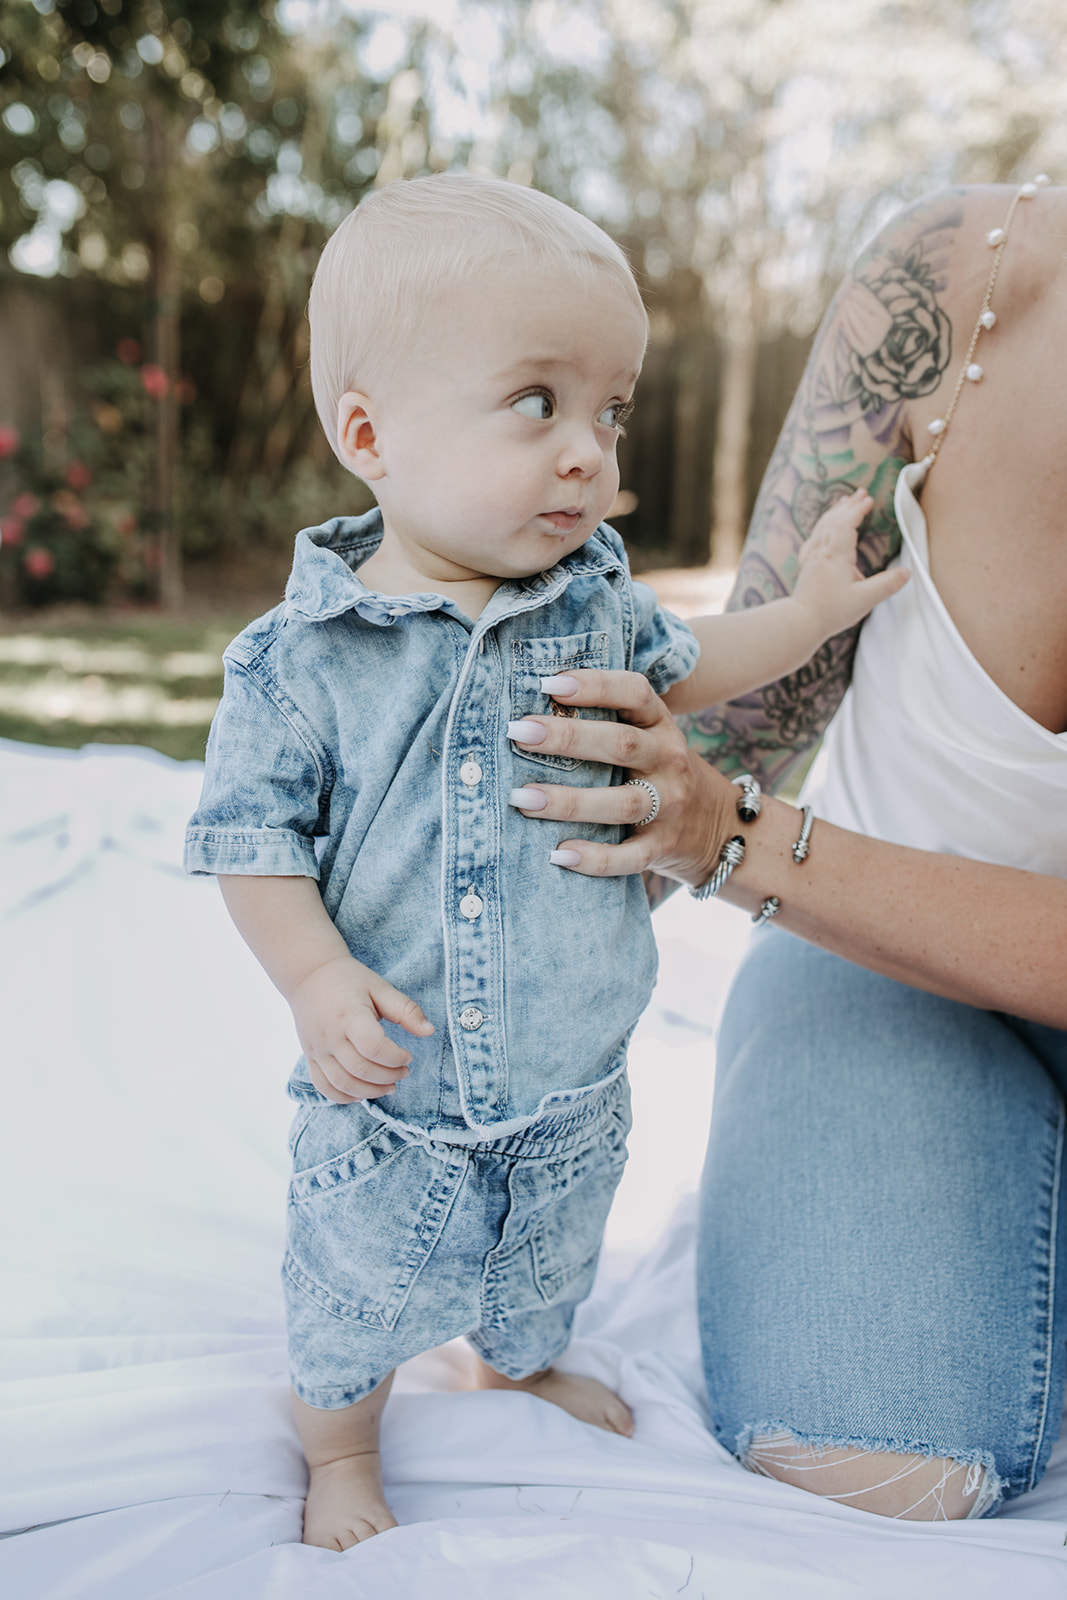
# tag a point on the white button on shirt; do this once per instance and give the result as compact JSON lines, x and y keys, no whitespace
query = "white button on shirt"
{"x":471,"y":773}
{"x":471,"y":906}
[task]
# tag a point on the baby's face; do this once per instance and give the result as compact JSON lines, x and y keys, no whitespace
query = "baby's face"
{"x":497,"y":437}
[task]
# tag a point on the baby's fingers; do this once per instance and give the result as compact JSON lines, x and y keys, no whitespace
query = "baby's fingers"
{"x":399,"y":1008}
{"x":836,"y":529}
{"x":338,"y":1084}
{"x":872,"y":591}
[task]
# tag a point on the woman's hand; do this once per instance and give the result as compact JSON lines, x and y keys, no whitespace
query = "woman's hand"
{"x":989,"y":936}
{"x":696,"y":810}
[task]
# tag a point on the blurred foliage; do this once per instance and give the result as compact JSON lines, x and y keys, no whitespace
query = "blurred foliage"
{"x":187,"y":159}
{"x":192,"y":154}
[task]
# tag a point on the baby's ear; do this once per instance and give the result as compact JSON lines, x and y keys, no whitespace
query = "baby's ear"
{"x":357,"y":440}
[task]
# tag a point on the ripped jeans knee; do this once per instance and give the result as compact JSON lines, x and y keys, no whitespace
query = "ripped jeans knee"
{"x":917,"y":1486}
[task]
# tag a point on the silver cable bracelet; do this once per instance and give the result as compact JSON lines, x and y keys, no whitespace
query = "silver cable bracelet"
{"x":748,"y":802}
{"x":730,"y":856}
{"x":803,"y":844}
{"x":769,"y":908}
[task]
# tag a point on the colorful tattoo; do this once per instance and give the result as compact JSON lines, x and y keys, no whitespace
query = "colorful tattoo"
{"x":885,"y":341}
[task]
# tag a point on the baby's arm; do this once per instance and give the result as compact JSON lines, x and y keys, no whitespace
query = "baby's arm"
{"x":742,"y":650}
{"x":336,"y":1002}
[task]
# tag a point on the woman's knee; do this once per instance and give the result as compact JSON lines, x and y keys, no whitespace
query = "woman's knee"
{"x":913,"y":1486}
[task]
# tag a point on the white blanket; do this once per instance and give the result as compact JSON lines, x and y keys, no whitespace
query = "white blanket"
{"x":146,"y":1441}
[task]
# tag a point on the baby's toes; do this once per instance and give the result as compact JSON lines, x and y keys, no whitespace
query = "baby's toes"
{"x":618,"y":1418}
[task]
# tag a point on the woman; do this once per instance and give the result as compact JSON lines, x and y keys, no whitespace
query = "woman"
{"x":883,"y":1256}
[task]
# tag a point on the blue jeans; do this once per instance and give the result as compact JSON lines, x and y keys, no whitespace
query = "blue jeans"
{"x":883,"y":1254}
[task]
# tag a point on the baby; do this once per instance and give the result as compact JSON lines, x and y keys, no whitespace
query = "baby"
{"x":475,"y":347}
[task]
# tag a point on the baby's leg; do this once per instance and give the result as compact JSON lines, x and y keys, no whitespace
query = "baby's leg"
{"x":585,"y":1398}
{"x":346,"y":1501}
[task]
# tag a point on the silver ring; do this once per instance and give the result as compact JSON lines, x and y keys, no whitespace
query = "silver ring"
{"x":653,"y":794}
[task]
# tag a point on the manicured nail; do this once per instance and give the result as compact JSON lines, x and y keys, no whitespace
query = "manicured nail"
{"x":562,"y":684}
{"x":565,"y":858}
{"x":528,"y":799}
{"x":526,"y":732}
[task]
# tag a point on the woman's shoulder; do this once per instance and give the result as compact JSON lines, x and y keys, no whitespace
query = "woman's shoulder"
{"x":949,"y":235}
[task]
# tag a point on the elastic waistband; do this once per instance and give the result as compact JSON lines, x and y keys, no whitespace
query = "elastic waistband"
{"x":568,"y":1128}
{"x":555,"y":1132}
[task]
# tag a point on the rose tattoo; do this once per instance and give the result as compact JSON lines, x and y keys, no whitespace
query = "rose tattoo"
{"x":916,"y":347}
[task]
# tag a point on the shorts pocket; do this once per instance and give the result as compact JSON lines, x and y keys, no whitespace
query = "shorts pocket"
{"x":363,"y":1223}
{"x":566,"y":1243}
{"x":534,"y":659}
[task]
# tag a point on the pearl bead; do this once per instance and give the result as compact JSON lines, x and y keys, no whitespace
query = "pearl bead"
{"x":1027,"y":191}
{"x":936,"y":427}
{"x":995,"y":236}
{"x":1041,"y":178}
{"x":988,"y":319}
{"x":975,"y":373}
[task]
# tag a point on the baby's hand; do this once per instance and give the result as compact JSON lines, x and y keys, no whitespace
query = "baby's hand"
{"x":830,"y":587}
{"x":350,"y":1056}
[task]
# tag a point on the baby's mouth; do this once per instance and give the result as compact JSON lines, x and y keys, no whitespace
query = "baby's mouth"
{"x":563,"y":520}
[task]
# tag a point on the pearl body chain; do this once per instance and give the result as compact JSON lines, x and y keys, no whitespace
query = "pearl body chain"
{"x":971,"y":371}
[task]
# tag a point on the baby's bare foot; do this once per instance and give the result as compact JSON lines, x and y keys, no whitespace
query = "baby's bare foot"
{"x":346,"y":1503}
{"x":585,"y":1398}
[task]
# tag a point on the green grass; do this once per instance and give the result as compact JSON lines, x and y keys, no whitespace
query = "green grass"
{"x":72,"y":678}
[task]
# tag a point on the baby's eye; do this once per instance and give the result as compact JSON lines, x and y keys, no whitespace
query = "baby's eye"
{"x":615,"y":415}
{"x":538,"y":406}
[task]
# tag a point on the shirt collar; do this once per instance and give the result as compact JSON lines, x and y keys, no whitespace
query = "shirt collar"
{"x":325,"y":582}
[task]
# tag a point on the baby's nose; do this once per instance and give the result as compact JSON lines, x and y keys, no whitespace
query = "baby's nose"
{"x":581,"y":455}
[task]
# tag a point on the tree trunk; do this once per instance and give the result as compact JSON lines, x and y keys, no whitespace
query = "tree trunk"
{"x":165,"y":311}
{"x":729,"y":483}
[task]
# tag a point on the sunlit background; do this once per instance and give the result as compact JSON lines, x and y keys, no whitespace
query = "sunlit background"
{"x":169,"y":170}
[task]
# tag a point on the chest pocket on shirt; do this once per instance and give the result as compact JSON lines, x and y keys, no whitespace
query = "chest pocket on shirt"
{"x":534,"y":659}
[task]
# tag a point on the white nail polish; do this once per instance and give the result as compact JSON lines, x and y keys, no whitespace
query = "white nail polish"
{"x":528,"y":799}
{"x":526,"y":732}
{"x":565,"y":858}
{"x":562,"y":683}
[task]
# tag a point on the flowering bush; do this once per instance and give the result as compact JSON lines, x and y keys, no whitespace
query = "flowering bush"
{"x":72,"y":524}
{"x":55,"y":539}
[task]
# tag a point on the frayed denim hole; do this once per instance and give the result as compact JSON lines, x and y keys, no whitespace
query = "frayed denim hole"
{"x":914,"y":1485}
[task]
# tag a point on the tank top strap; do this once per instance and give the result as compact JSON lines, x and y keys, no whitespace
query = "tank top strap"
{"x":972,"y":371}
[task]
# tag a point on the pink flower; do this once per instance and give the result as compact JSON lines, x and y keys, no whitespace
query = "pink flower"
{"x":128,"y":352}
{"x":39,"y":563}
{"x":25,"y":505}
{"x":78,"y":475}
{"x":154,"y":381}
{"x":70,"y":509}
{"x":9,"y":440}
{"x":12,"y":530}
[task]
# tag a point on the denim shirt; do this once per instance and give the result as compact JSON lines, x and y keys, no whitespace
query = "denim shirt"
{"x":375,"y":724}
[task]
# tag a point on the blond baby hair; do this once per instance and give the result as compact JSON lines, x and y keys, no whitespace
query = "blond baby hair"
{"x":381,"y":268}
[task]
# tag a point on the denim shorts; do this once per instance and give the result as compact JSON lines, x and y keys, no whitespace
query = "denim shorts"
{"x":398,"y":1243}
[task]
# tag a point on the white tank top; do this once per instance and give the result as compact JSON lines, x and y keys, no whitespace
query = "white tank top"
{"x":925,"y":749}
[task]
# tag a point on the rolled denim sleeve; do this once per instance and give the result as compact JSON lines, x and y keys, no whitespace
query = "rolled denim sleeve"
{"x":665,"y":650}
{"x":264,"y":786}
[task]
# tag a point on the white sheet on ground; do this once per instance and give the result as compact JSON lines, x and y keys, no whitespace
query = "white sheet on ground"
{"x":147,"y":1445}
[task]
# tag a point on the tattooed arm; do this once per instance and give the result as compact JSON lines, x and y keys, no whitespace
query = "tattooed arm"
{"x":885,"y":342}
